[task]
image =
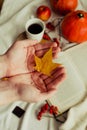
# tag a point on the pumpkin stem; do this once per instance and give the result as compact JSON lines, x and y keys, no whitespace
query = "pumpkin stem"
{"x":80,"y":15}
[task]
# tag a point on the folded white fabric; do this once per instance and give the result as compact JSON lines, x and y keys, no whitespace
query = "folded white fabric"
{"x":13,"y":17}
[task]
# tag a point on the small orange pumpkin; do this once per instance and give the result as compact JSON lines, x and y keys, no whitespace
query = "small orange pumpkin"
{"x":63,"y":6}
{"x":74,"y":26}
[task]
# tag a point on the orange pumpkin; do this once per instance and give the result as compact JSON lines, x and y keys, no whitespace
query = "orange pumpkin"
{"x":63,"y":6}
{"x":74,"y":26}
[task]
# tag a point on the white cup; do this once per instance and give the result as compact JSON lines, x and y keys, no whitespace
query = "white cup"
{"x":35,"y":29}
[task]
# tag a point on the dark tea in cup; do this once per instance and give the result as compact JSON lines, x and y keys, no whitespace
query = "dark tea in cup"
{"x":35,"y":28}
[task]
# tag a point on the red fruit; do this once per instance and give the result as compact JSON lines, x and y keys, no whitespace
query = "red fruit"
{"x":64,"y":7}
{"x":46,"y":106}
{"x":51,"y":111}
{"x":40,"y":113}
{"x":46,"y":36}
{"x":39,"y":117}
{"x":43,"y":109}
{"x":43,"y":12}
{"x":74,"y":26}
{"x":50,"y":26}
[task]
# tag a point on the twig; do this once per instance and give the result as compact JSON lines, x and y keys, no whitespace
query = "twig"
{"x":1,"y":4}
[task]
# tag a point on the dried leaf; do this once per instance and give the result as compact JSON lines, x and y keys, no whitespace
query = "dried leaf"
{"x":38,"y":63}
{"x":45,"y":64}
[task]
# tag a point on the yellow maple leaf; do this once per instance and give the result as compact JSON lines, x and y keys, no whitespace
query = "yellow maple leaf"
{"x":45,"y":64}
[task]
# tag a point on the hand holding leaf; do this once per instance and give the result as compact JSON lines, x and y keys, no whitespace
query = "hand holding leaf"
{"x":45,"y":64}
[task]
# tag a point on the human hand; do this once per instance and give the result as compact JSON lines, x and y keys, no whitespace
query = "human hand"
{"x":43,"y":86}
{"x":22,"y":87}
{"x":17,"y":56}
{"x":39,"y":50}
{"x":20,"y":56}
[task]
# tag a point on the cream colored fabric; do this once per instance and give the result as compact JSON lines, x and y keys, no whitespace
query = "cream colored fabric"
{"x":13,"y":17}
{"x":77,"y":117}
